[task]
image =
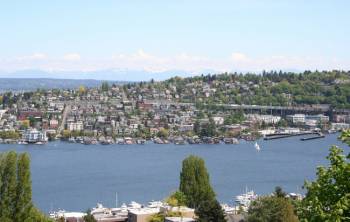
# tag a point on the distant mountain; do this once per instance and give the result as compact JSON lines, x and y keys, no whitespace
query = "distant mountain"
{"x":28,"y":84}
{"x":34,"y":79}
{"x":108,"y":74}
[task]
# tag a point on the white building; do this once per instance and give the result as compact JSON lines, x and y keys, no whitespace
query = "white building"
{"x":75,"y":126}
{"x":2,"y":112}
{"x":268,"y":119}
{"x":34,"y":136}
{"x":318,"y":118}
{"x":340,"y":126}
{"x":301,"y":118}
{"x":296,"y":118}
{"x":218,"y":120}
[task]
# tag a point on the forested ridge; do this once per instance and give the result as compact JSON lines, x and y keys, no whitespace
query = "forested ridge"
{"x":267,"y":88}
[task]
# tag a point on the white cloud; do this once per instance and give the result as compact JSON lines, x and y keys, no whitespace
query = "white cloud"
{"x":237,"y":56}
{"x":142,"y":60}
{"x":72,"y":57}
{"x":35,"y":56}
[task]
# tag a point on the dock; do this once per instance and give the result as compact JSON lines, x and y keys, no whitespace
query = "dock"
{"x":285,"y":135}
{"x":318,"y":136}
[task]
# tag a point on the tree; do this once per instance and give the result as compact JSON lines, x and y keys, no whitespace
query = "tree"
{"x":328,"y":197}
{"x":89,"y":217}
{"x":8,"y":186}
{"x":197,"y":127}
{"x":105,"y":86}
{"x":279,"y":192}
{"x":177,"y":199}
{"x":82,"y":90}
{"x":210,"y":211}
{"x":160,"y":217}
{"x":194,"y":181}
{"x":15,"y":190}
{"x":24,"y":188}
{"x":163,"y":133}
{"x":345,"y":137}
{"x":271,"y":208}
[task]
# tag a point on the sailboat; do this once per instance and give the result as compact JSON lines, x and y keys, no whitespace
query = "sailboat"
{"x":257,"y":147}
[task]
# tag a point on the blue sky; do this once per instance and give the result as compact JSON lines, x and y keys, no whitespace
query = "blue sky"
{"x":159,"y":35}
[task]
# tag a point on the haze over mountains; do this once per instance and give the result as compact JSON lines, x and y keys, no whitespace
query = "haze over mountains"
{"x":34,"y":79}
{"x":109,"y":74}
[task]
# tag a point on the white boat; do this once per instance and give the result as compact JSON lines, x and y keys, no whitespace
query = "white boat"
{"x":134,"y":205}
{"x":155,"y":204}
{"x":39,"y":143}
{"x":22,"y":142}
{"x":246,"y":198}
{"x":257,"y":147}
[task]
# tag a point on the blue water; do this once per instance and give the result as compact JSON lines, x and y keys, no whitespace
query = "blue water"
{"x":76,"y":177}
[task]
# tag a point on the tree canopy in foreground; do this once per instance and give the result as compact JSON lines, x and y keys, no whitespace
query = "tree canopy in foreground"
{"x":16,"y":190}
{"x":195,"y":185}
{"x":328,"y":197}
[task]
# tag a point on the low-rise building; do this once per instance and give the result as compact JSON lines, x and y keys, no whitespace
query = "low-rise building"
{"x":34,"y":136}
{"x":296,"y":118}
{"x":142,"y":214}
{"x":319,"y":118}
{"x":75,"y":126}
{"x":340,"y":126}
{"x":268,"y":119}
{"x":53,"y":123}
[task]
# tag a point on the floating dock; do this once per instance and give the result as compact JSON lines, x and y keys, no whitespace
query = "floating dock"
{"x":319,"y":136}
{"x":285,"y":135}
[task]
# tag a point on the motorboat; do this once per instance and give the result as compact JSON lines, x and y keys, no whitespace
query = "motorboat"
{"x":246,"y":198}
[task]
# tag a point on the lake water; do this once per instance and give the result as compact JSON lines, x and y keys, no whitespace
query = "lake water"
{"x":76,"y":177}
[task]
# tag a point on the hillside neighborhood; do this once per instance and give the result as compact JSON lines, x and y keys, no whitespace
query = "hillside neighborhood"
{"x":207,"y":109}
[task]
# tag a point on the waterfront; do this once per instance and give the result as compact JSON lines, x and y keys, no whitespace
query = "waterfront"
{"x":76,"y":177}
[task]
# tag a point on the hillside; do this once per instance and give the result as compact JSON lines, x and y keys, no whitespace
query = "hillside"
{"x":269,"y":88}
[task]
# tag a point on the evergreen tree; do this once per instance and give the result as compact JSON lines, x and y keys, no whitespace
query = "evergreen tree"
{"x":105,"y":86}
{"x":8,"y":186}
{"x":24,"y":189}
{"x":89,"y":217}
{"x":16,"y":191}
{"x":194,"y":181}
{"x":210,"y":211}
{"x":279,"y":192}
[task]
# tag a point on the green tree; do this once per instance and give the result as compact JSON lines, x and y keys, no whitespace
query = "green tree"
{"x":194,"y":181}
{"x":210,"y":211}
{"x":177,"y":199}
{"x":160,"y":217}
{"x":15,"y":190}
{"x":89,"y":217}
{"x":8,"y":186}
{"x":197,"y":127}
{"x":163,"y":133}
{"x":105,"y":86}
{"x":279,"y":192}
{"x":345,"y":137}
{"x":328,"y":197}
{"x":23,"y":202}
{"x":271,"y":208}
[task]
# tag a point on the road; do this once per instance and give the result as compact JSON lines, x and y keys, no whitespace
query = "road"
{"x":64,"y":117}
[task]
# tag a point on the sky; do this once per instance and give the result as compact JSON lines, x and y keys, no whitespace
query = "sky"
{"x":163,"y":35}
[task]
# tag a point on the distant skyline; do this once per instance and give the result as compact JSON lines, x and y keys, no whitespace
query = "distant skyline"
{"x":157,"y":36}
